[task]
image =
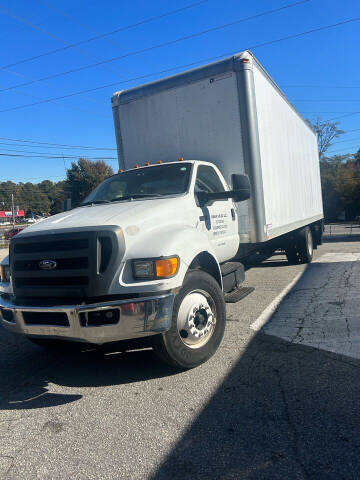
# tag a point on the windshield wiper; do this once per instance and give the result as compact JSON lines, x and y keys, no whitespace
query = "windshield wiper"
{"x":95,"y":202}
{"x":135,"y":195}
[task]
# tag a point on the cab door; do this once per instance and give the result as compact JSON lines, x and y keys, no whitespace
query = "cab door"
{"x":218,"y":219}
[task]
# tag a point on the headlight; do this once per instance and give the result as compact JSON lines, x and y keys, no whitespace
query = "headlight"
{"x":5,"y":273}
{"x":155,"y":268}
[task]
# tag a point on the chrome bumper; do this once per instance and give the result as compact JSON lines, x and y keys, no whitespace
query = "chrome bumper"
{"x":135,"y":318}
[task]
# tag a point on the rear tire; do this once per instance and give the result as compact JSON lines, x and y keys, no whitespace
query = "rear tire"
{"x":292,"y":255}
{"x":306,"y":246}
{"x":198,"y":323}
{"x":301,"y":250}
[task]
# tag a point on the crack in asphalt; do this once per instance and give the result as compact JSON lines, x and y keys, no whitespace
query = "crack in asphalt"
{"x":294,"y":434}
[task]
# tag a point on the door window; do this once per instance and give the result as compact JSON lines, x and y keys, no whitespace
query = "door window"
{"x":207,"y":180}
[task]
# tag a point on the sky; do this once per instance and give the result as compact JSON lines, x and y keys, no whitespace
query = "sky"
{"x":319,"y":72}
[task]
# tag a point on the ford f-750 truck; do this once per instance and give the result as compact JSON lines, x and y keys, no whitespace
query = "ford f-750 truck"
{"x":214,"y":163}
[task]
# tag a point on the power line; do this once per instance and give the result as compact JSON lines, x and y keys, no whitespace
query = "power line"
{"x":141,"y":77}
{"x":343,"y":116}
{"x":56,"y":144}
{"x":127,"y":27}
{"x":347,"y":141}
{"x":50,"y":6}
{"x":2,"y":187}
{"x":61,"y":105}
{"x":56,"y":155}
{"x":45,"y":146}
{"x":49,"y":34}
{"x":26,"y":22}
{"x":153,"y":47}
{"x":340,"y":150}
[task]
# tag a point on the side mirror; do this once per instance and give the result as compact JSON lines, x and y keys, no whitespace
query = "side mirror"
{"x":241,"y":187}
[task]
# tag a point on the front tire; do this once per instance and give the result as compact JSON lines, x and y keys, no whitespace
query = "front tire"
{"x":198,"y":323}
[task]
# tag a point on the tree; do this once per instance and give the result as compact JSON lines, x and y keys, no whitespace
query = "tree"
{"x":48,"y":197}
{"x":326,"y":132}
{"x":84,"y":176}
{"x":55,"y":193}
{"x":340,"y":178}
{"x":357,"y":157}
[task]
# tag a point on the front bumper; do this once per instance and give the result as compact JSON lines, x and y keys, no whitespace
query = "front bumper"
{"x":135,"y":318}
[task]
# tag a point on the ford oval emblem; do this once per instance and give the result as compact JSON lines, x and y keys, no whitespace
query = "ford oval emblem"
{"x":47,"y":264}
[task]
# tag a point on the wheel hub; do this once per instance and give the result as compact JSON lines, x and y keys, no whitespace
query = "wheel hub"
{"x":196,"y":319}
{"x":310,"y":243}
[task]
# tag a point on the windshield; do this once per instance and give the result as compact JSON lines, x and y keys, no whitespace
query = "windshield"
{"x":155,"y":181}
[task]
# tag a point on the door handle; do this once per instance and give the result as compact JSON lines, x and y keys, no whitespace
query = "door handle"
{"x":233,"y":216}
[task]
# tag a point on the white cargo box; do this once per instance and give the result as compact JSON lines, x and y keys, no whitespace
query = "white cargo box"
{"x":232,"y":114}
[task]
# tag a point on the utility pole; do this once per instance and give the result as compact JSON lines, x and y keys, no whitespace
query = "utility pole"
{"x":13,"y":209}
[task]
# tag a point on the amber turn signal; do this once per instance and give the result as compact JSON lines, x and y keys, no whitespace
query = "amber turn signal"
{"x":166,"y":267}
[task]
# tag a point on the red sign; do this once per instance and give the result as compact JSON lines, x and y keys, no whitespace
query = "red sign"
{"x":8,"y":213}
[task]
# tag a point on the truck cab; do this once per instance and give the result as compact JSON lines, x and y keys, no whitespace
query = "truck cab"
{"x":142,"y":255}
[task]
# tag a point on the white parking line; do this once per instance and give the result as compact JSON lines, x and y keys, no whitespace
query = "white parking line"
{"x":271,"y":308}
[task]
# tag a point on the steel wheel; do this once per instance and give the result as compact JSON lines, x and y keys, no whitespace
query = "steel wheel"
{"x":310,"y":245}
{"x":197,"y":324}
{"x":196,"y":319}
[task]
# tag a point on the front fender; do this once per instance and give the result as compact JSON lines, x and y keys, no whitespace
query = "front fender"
{"x":182,"y":240}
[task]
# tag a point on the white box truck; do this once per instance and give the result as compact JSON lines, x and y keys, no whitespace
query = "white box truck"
{"x":214,"y":163}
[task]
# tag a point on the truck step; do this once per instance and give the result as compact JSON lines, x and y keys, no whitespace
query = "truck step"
{"x":233,"y":274}
{"x":238,"y":294}
{"x":229,"y":267}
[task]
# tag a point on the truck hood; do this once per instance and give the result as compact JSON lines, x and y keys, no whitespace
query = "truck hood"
{"x":132,"y":214}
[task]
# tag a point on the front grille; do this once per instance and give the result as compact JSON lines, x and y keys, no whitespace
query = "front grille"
{"x":83,"y":261}
{"x":57,"y":246}
{"x":51,"y":281}
{"x":55,"y":319}
{"x":62,"y":264}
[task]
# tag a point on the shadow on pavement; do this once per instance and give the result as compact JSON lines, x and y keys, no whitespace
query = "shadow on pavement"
{"x":287,"y":410}
{"x":341,"y":238}
{"x":273,"y":263}
{"x":21,"y":388}
{"x":284,"y":412}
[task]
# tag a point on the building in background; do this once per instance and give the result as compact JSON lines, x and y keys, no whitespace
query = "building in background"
{"x":6,"y":216}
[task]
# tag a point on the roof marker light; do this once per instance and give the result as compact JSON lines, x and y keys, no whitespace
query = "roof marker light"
{"x":159,"y":161}
{"x":147,"y":164}
{"x":180,"y":159}
{"x":120,"y":170}
{"x":136,"y":166}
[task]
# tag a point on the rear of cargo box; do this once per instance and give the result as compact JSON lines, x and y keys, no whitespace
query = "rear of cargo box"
{"x":194,"y":115}
{"x":231,"y":114}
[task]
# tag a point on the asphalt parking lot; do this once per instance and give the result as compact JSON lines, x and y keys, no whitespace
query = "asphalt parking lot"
{"x":279,"y":400}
